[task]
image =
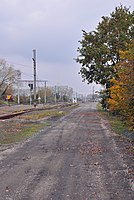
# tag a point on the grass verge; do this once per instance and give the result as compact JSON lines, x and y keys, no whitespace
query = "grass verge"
{"x":117,"y":124}
{"x":25,"y":126}
{"x":40,"y":114}
{"x":18,"y":131}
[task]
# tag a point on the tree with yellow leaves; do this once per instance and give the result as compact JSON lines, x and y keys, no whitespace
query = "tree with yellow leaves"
{"x":121,"y":99}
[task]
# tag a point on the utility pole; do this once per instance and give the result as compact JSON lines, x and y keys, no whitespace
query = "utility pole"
{"x":31,"y":88}
{"x":34,"y":65}
{"x":55,"y":99}
{"x":18,"y":79}
{"x":45,"y":96}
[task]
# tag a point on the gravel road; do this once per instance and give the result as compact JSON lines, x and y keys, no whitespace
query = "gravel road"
{"x":76,"y":158}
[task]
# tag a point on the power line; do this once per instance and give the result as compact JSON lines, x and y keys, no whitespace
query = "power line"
{"x":14,"y":63}
{"x":27,"y":74}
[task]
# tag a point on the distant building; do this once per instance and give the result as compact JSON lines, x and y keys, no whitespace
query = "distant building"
{"x":74,"y":100}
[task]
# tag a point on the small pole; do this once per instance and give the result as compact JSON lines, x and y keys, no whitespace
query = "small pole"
{"x":18,"y":80}
{"x":34,"y":64}
{"x":45,"y":96}
{"x":55,"y":99}
{"x":18,"y":92}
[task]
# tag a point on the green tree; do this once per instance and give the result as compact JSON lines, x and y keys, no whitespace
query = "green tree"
{"x":8,"y":77}
{"x":100,"y":49}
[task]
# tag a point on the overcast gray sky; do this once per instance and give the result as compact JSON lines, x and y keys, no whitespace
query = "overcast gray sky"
{"x":53,"y":28}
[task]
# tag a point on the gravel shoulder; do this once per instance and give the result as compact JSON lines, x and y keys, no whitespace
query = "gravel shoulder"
{"x":77,"y":157}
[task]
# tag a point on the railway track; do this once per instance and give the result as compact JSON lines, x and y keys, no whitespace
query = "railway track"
{"x":13,"y":114}
{"x":22,"y":111}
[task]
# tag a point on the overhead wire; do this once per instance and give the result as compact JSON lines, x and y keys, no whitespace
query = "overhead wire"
{"x":26,"y":74}
{"x":14,"y":63}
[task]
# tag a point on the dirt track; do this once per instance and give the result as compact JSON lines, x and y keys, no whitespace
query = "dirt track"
{"x":76,"y":158}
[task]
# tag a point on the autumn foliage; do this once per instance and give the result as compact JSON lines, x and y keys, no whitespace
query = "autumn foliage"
{"x":121,"y":99}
